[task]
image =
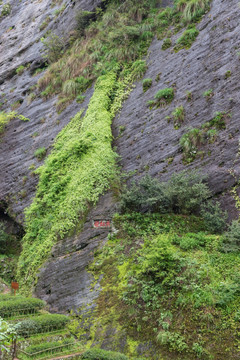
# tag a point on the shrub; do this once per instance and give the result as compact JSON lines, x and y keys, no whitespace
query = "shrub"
{"x":166,"y":44}
{"x":193,"y":9}
{"x":231,"y":239}
{"x":147,"y":83}
{"x":190,"y":142}
{"x":54,"y":47}
{"x":187,"y":38}
{"x":174,"y":340}
{"x":213,"y":216}
{"x":165,"y":95}
{"x":83,"y":19}
{"x":20,"y":70}
{"x":183,"y":193}
{"x":40,"y":153}
{"x":187,"y":191}
{"x":4,"y":239}
{"x":42,"y":323}
{"x":178,"y":115}
{"x":208,"y":94}
{"x":99,"y":354}
{"x":47,"y":346}
{"x":147,"y":195}
{"x":23,"y":305}
{"x":6,"y":10}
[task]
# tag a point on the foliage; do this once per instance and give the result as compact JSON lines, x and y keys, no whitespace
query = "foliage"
{"x":175,"y":341}
{"x":193,"y":9}
{"x":166,"y":95}
{"x":195,"y":138}
{"x":183,"y":193}
{"x":147,"y":195}
{"x":23,"y":305}
{"x":178,"y":116}
{"x":79,"y":169}
{"x":146,"y":83}
{"x":4,"y":239}
{"x":40,"y":153}
{"x":166,"y":44}
{"x":208,"y":94}
{"x":8,"y":333}
{"x":20,"y":70}
{"x":6,"y":10}
{"x":54,"y":47}
{"x":83,"y":19}
{"x":215,"y":218}
{"x":6,"y":117}
{"x":187,"y":39}
{"x":48,"y":345}
{"x":99,"y":354}
{"x":231,"y":239}
{"x":42,"y":323}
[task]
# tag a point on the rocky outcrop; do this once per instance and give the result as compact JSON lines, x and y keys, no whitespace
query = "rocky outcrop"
{"x":148,"y":143}
{"x":20,"y":45}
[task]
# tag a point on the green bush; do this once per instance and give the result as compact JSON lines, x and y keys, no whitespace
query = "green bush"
{"x":54,"y":47}
{"x":191,"y":241}
{"x":99,"y":354}
{"x":166,"y":44}
{"x":231,"y":239}
{"x":40,"y":153}
{"x":83,"y":18}
{"x":20,"y":305}
{"x":187,"y":38}
{"x":147,"y":83}
{"x":187,"y":191}
{"x":20,"y":70}
{"x":48,"y":345}
{"x":41,"y":324}
{"x":148,"y":195}
{"x":165,"y":95}
{"x":6,"y":10}
{"x":182,"y":194}
{"x":178,"y":116}
{"x":214,"y":217}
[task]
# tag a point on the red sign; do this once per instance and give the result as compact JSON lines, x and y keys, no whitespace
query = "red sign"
{"x":15,"y":285}
{"x":102,"y":224}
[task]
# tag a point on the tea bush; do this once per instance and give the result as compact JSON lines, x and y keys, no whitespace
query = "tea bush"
{"x":99,"y":354}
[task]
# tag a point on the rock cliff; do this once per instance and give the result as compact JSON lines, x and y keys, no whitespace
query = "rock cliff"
{"x":147,"y":140}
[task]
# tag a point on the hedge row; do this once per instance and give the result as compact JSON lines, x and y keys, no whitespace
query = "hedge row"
{"x":12,"y":306}
{"x":42,"y":324}
{"x":48,"y":345}
{"x":99,"y":354}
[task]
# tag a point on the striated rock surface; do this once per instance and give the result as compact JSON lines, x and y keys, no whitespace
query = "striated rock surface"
{"x":149,"y":142}
{"x":20,"y":45}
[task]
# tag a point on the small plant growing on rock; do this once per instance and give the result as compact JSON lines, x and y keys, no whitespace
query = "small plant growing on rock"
{"x":187,"y":38}
{"x":40,"y":153}
{"x":164,"y":96}
{"x":20,"y":70}
{"x":208,"y":94}
{"x":147,"y":83}
{"x":228,"y":74}
{"x":178,"y":116}
{"x":190,"y":142}
{"x":166,"y":44}
{"x":6,"y":10}
{"x":189,"y":95}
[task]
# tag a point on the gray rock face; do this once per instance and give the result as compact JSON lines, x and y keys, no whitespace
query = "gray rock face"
{"x":64,"y":281}
{"x":150,"y":143}
{"x":20,"y":45}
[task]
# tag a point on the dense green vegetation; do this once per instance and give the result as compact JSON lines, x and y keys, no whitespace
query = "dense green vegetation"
{"x":11,"y":306}
{"x":175,"y":288}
